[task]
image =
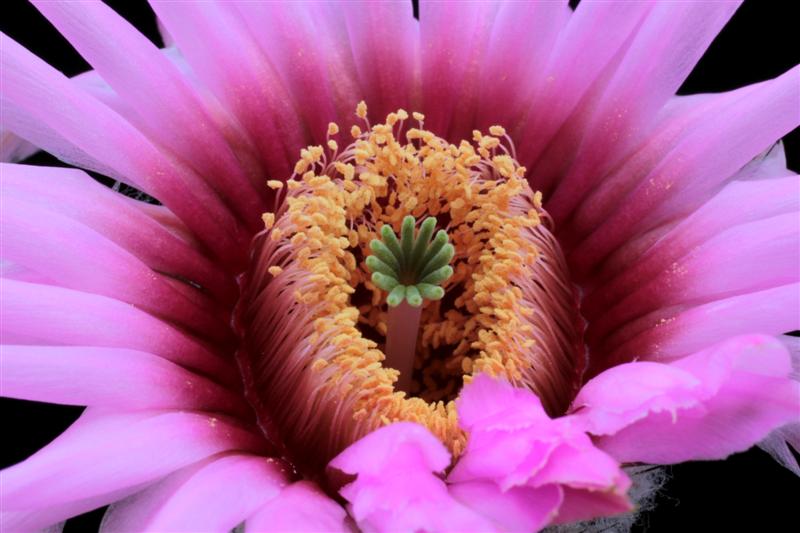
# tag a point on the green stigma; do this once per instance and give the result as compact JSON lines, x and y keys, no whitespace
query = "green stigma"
{"x":412,"y":267}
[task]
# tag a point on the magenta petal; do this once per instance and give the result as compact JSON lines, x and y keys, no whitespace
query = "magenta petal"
{"x":397,"y":487}
{"x":103,"y":453}
{"x":166,"y":107}
{"x":109,"y":378}
{"x":517,"y":449}
{"x":214,"y":495}
{"x":705,"y":406}
{"x":516,"y":509}
{"x":42,"y":314}
{"x":301,"y":507}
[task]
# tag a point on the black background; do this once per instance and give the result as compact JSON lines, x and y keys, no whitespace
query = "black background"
{"x":747,"y":491}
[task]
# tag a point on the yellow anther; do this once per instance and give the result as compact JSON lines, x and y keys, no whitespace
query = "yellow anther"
{"x":418,"y":116}
{"x":355,"y":131}
{"x":274,"y":184}
{"x":333,"y":128}
{"x":275,"y":270}
{"x":497,"y":131}
{"x":269,"y":219}
{"x":361,"y":110}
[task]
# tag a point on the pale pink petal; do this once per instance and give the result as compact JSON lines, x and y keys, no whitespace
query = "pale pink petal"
{"x":515,"y":451}
{"x":704,"y":158}
{"x":43,"y":314}
{"x":301,"y":507}
{"x":150,"y":233}
{"x":104,"y":453}
{"x":74,"y":256}
{"x":109,"y":378}
{"x":166,"y":108}
{"x":214,"y":495}
{"x":397,"y":487}
{"x":675,"y":332}
{"x":667,"y":45}
{"x":48,"y":97}
{"x":705,"y":406}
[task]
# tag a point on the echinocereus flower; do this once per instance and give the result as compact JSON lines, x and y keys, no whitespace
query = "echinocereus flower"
{"x":468,"y":318}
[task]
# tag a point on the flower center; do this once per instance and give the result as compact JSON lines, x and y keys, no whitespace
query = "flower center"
{"x":347,"y":327}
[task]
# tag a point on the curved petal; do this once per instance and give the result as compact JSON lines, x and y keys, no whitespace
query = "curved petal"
{"x":110,"y":378}
{"x":166,"y":107}
{"x":151,"y":233}
{"x":41,"y":314}
{"x":705,"y":406}
{"x":214,"y":495}
{"x":515,"y":451}
{"x":48,"y":97}
{"x":300,"y":507}
{"x":74,"y":256}
{"x":104,"y":453}
{"x":397,"y":488}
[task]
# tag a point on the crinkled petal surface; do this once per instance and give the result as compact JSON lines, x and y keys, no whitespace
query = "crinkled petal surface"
{"x":708,"y":405}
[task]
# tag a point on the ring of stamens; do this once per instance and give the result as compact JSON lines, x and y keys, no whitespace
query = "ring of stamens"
{"x":314,"y":318}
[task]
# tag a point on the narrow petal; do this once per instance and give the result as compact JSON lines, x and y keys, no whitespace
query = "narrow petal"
{"x":214,"y":495}
{"x":300,"y":507}
{"x":705,"y":406}
{"x":670,"y":41}
{"x":74,"y":256}
{"x":48,"y":97}
{"x":166,"y":107}
{"x":226,"y":58}
{"x":104,"y":453}
{"x":41,"y":314}
{"x":108,"y":377}
{"x":151,"y":233}
{"x":704,"y":158}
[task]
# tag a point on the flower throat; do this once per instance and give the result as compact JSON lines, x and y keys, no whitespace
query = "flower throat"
{"x":358,"y":313}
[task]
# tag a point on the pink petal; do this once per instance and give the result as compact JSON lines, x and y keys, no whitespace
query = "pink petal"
{"x":300,"y":507}
{"x":74,"y":256}
{"x":166,"y":107}
{"x":151,"y":233}
{"x":705,"y":406}
{"x":397,"y":488}
{"x":226,"y":58}
{"x":42,"y":314}
{"x":45,"y":96}
{"x":104,"y":453}
{"x":515,"y":451}
{"x":667,"y":45}
{"x":214,"y":495}
{"x":703,"y":159}
{"x":14,"y":148}
{"x":675,"y":332}
{"x":108,"y":377}
{"x":519,"y":508}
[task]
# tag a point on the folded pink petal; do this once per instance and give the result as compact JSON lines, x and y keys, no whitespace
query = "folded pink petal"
{"x":705,"y":406}
{"x":398,"y":488}
{"x":515,"y":451}
{"x":216,"y":494}
{"x":301,"y":507}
